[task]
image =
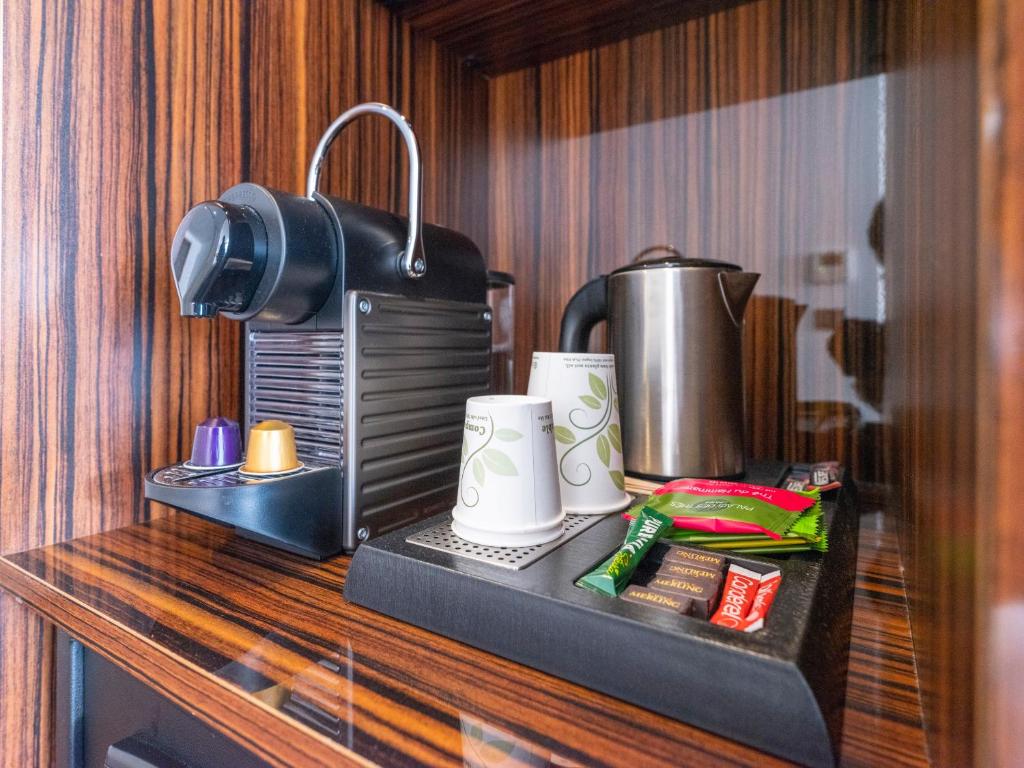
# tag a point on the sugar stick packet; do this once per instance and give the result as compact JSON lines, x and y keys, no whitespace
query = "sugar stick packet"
{"x":612,"y":576}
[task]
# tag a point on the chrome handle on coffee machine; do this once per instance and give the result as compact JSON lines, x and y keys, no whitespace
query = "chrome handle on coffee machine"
{"x":413,"y":265}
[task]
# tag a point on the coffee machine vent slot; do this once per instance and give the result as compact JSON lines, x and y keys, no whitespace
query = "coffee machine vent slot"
{"x":298,"y":377}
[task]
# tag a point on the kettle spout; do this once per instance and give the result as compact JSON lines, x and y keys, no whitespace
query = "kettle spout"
{"x":736,"y":290}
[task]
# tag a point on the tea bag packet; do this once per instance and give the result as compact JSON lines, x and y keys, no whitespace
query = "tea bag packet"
{"x":810,"y":527}
{"x":808,"y":533}
{"x":752,"y":519}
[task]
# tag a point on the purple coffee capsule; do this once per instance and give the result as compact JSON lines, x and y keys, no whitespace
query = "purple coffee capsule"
{"x":217,"y":443}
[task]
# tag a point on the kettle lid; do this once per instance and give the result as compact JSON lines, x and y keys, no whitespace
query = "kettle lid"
{"x":673,"y":259}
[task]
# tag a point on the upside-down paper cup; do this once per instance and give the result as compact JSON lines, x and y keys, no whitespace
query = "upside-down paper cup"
{"x":508,"y":488}
{"x":588,"y":437}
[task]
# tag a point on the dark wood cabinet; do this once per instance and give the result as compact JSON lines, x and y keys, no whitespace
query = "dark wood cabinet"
{"x":867,"y":158}
{"x":108,"y":719}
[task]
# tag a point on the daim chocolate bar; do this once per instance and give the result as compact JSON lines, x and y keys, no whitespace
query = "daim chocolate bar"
{"x":740,"y":586}
{"x":762,"y":602}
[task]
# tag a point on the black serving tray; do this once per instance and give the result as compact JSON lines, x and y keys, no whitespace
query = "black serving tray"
{"x":780,"y":689}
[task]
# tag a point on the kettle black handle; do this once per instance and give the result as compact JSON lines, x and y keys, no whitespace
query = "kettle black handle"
{"x":587,"y":307}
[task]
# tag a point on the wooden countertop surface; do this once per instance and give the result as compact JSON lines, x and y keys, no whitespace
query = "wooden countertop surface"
{"x":261,"y":645}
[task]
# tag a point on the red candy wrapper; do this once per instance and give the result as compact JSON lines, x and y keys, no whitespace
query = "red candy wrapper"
{"x":741,"y":584}
{"x":762,"y":603}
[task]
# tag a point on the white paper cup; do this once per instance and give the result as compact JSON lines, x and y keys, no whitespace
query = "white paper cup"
{"x":588,"y":435}
{"x":508,"y":486}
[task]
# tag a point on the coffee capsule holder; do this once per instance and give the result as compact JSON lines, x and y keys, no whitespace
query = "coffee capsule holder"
{"x":273,"y":509}
{"x":780,"y":689}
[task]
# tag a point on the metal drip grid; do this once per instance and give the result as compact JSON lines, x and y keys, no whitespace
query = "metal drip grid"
{"x":442,"y":538}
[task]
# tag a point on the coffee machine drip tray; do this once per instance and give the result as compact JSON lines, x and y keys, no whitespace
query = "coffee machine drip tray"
{"x":442,"y":538}
{"x":300,"y":511}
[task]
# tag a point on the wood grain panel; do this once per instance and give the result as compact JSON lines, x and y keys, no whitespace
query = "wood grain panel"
{"x":501,"y":37}
{"x":1000,"y":588}
{"x":117,"y":117}
{"x":934,"y":340}
{"x":751,"y":135}
{"x":175,"y":600}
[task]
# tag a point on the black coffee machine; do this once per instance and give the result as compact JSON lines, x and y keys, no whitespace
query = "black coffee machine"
{"x":364,"y":331}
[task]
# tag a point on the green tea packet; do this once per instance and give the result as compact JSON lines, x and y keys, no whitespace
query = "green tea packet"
{"x":810,"y":527}
{"x":806,"y":534}
{"x":723,"y":507}
{"x":612,"y":576}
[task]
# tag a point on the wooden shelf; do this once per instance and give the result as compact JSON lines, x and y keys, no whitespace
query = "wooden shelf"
{"x":174,"y":600}
{"x":498,"y":37}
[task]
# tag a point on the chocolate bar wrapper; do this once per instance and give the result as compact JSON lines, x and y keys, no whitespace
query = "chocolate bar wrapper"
{"x":740,"y":586}
{"x":797,"y":480}
{"x":611,"y":576}
{"x":698,"y":558}
{"x":822,"y":476}
{"x":762,"y":602}
{"x":681,"y":604}
{"x":689,"y":572}
{"x":702,"y":595}
{"x":825,"y":475}
{"x":637,"y":594}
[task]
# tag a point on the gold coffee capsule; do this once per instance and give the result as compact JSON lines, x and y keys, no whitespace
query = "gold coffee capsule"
{"x":271,"y":448}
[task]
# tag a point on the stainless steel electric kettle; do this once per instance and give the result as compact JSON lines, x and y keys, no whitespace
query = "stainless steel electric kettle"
{"x":675,"y":326}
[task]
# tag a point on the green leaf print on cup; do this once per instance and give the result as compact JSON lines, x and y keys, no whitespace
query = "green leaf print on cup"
{"x":485,"y":459}
{"x":604,"y":450}
{"x":499,"y":463}
{"x":615,"y":437}
{"x":564,"y":435}
{"x":618,"y":478}
{"x":609,"y":438}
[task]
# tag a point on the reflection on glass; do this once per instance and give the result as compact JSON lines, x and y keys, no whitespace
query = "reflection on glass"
{"x":790,"y":186}
{"x":320,"y":696}
{"x":486,"y":746}
{"x":501,"y":288}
